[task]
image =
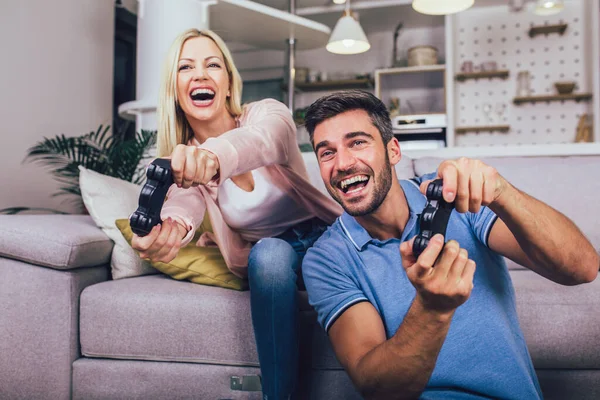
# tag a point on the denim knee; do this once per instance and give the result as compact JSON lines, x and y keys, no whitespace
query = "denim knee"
{"x":272,"y":262}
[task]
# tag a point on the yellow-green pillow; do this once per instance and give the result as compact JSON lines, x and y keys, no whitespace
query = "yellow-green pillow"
{"x":202,"y":265}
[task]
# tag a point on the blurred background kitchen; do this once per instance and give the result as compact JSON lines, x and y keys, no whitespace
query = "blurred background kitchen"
{"x":460,"y":77}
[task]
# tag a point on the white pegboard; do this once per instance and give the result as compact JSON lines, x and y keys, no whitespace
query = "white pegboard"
{"x":496,"y":34}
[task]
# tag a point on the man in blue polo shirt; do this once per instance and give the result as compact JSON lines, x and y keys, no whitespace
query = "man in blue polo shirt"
{"x":443,"y":325}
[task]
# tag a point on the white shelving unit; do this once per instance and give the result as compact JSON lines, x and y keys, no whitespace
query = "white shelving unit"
{"x":424,"y":85}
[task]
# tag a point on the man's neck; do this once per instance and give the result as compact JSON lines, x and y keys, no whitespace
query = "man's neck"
{"x":213,"y":128}
{"x":390,"y":219}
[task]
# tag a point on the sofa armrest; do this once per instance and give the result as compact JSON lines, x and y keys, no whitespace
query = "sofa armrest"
{"x":56,"y":241}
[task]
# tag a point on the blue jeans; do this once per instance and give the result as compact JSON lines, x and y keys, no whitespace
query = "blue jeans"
{"x":273,"y":267}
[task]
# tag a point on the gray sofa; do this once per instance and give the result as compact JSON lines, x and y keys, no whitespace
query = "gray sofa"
{"x":68,"y":331}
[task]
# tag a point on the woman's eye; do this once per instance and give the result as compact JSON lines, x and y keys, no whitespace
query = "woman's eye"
{"x":183,"y":67}
{"x":214,"y":65}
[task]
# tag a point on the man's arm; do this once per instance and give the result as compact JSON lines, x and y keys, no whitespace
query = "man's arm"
{"x":539,"y":237}
{"x":528,"y":231}
{"x":400,"y":368}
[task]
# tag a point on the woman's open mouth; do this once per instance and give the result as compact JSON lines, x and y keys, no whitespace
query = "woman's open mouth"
{"x":202,"y":97}
{"x":353,"y":185}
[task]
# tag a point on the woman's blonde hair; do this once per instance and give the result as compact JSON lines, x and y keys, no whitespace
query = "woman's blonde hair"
{"x":173,"y":127}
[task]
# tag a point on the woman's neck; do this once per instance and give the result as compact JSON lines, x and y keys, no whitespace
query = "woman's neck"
{"x":213,"y":128}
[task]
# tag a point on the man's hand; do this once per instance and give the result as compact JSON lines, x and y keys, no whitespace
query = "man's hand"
{"x":470,"y":183}
{"x":443,"y":283}
{"x":193,"y":166}
{"x":162,"y":243}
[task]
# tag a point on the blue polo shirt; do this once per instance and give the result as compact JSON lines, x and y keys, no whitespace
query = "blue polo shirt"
{"x":484,"y":354}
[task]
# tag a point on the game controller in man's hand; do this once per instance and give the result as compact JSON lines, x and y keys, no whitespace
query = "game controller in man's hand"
{"x":152,"y":197}
{"x":434,"y":218}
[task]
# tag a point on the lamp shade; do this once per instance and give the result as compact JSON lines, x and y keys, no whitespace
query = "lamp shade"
{"x":548,"y":7}
{"x":441,"y":7}
{"x":348,"y":37}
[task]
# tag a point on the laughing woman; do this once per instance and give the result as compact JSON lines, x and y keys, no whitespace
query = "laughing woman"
{"x":242,"y":165}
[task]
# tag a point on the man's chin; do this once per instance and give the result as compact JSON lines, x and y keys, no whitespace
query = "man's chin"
{"x":358,"y":208}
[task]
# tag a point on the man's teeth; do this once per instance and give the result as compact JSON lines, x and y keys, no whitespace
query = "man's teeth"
{"x":346,"y":182}
{"x":202,"y":91}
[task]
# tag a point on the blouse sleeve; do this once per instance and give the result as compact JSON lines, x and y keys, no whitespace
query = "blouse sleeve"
{"x":264,"y":139}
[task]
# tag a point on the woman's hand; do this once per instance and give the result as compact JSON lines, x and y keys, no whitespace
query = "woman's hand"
{"x":193,"y":166}
{"x":162,"y":243}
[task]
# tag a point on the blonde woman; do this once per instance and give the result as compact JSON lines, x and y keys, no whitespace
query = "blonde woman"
{"x":242,"y":165}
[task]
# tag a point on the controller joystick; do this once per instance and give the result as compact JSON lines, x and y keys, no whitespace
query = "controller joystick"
{"x":152,"y":197}
{"x":434,"y":218}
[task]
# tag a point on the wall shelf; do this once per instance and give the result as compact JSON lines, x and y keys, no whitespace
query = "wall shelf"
{"x":556,"y":97}
{"x":489,"y":128}
{"x":411,"y":70}
{"x":362,"y":83}
{"x":546,"y":29}
{"x":463,"y":76}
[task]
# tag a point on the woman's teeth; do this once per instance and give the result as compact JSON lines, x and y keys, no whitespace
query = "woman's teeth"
{"x":202,"y":94}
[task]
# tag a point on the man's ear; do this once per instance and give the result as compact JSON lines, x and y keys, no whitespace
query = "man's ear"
{"x":394,"y":153}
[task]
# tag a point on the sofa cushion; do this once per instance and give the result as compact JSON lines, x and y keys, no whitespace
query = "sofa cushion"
{"x":55,"y":241}
{"x":162,"y":319}
{"x":560,"y":323}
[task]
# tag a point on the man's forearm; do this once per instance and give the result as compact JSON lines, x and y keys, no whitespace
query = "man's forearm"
{"x":548,"y":238}
{"x":400,"y":367}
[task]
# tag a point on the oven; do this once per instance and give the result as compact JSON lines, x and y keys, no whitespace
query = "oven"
{"x":420,"y":132}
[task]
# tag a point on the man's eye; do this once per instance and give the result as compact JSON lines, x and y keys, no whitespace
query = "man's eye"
{"x":326,"y":154}
{"x":358,"y":142}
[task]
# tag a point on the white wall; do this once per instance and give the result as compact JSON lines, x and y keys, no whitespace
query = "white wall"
{"x":55,"y":77}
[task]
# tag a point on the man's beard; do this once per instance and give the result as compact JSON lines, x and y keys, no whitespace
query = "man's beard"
{"x":381,"y":187}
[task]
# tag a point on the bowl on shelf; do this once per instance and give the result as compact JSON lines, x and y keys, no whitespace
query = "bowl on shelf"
{"x":565,"y":87}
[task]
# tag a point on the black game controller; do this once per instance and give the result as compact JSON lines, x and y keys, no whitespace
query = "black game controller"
{"x":152,"y":197}
{"x":434,"y":218}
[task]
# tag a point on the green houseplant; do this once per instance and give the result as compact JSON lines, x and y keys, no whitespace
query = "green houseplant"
{"x":100,"y":151}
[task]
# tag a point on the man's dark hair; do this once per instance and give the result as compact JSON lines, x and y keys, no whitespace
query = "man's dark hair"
{"x":330,"y":106}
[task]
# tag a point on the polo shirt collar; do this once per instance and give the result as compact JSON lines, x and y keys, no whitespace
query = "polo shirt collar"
{"x":360,"y":237}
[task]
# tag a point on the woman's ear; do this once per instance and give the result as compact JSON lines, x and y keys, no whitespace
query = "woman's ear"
{"x":228,"y":93}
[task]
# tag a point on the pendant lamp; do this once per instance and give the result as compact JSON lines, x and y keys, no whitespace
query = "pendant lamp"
{"x":348,"y":36}
{"x":441,"y":7}
{"x":548,"y":7}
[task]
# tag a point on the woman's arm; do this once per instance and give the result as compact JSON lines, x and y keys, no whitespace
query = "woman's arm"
{"x":186,"y":207}
{"x":265,"y":138}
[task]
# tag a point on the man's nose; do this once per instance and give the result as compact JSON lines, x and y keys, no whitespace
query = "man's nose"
{"x":345,"y":160}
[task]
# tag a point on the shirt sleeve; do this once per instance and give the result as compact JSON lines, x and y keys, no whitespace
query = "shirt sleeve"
{"x":265,"y":138}
{"x":482,"y":223}
{"x":331,"y":290}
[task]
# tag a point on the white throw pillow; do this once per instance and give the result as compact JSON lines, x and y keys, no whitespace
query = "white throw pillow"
{"x":108,"y":199}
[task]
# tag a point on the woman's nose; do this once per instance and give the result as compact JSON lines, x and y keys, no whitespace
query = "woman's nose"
{"x":200,"y":73}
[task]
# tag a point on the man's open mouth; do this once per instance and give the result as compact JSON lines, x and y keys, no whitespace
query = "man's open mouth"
{"x":202,"y":95}
{"x":353,"y":184}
